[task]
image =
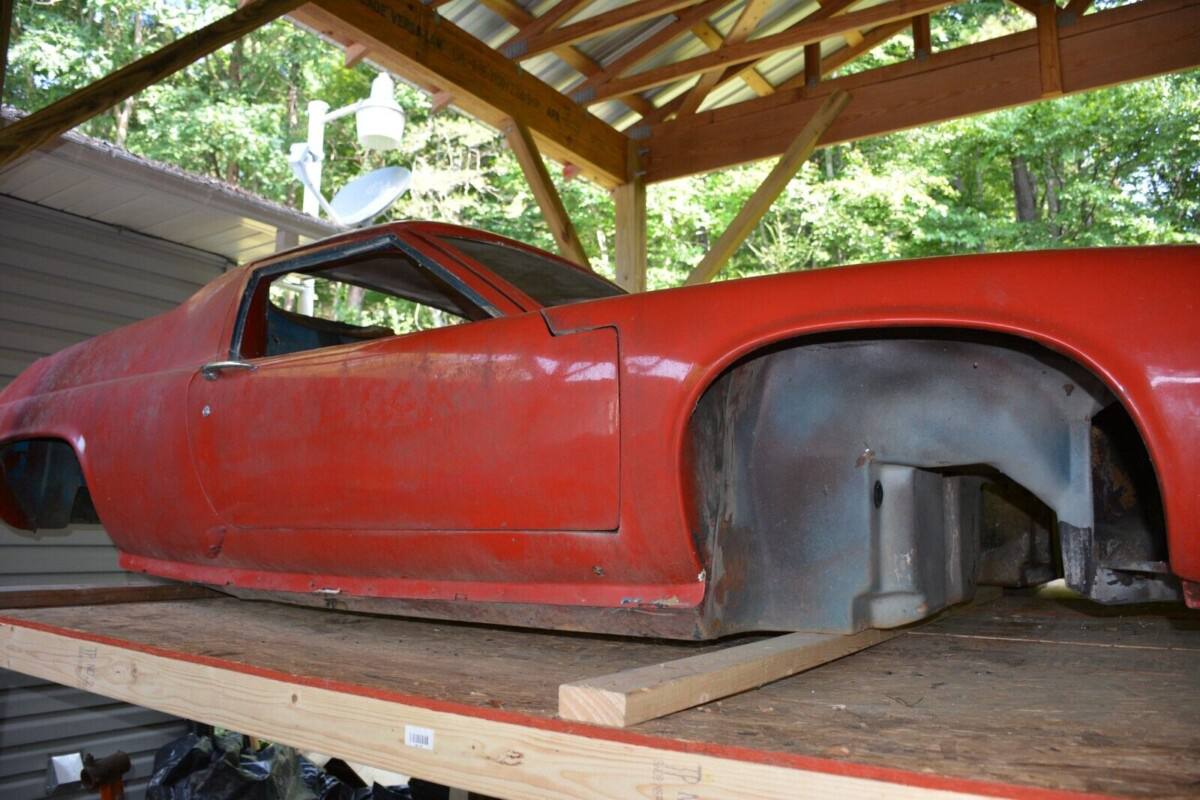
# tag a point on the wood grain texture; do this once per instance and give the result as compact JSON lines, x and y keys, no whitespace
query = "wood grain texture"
{"x":78,"y":107}
{"x":766,"y":194}
{"x":636,"y":695}
{"x":79,"y":595}
{"x":414,"y":41}
{"x":1050,"y":61}
{"x":1101,"y":49}
{"x":796,"y":36}
{"x":629,"y":201}
{"x":602,"y":23}
{"x":1036,"y":716}
{"x":520,"y":141}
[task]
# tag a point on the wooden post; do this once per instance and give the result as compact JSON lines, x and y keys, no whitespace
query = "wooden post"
{"x":812,"y":64}
{"x":522,"y":144}
{"x":766,"y":194}
{"x":922,"y":37}
{"x":78,"y":107}
{"x":1048,"y":55}
{"x":630,"y":201}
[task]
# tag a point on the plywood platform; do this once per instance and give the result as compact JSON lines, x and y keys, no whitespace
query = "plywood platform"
{"x":1022,"y":697}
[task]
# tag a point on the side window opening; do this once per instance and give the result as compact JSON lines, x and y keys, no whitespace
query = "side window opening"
{"x":359,"y":300}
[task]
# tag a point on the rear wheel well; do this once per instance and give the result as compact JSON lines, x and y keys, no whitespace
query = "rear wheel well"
{"x":800,"y":439}
{"x":45,"y":484}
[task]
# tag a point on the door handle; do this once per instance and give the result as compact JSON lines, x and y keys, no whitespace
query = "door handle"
{"x":212,"y":370}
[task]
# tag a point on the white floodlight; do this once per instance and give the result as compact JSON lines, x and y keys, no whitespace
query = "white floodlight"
{"x":380,"y":122}
{"x":379,"y":117}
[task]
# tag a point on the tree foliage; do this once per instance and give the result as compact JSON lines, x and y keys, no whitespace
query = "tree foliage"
{"x":1118,"y":166}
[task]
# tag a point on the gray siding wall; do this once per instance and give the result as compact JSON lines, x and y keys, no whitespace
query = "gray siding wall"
{"x":64,"y":279}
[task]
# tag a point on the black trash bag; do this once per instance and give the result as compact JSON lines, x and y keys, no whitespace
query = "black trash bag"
{"x":223,"y":768}
{"x":329,"y":786}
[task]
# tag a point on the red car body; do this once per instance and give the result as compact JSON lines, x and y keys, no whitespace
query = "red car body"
{"x":543,"y":466}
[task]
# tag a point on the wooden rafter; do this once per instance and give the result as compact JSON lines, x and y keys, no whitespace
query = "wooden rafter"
{"x":844,"y":55}
{"x":712,"y":39}
{"x":537,"y":25}
{"x":602,"y":23}
{"x":766,"y":194}
{"x":797,"y":36}
{"x":415,"y":42}
{"x":747,"y":21}
{"x":684,"y":21}
{"x":922,"y":37}
{"x":518,"y":17}
{"x":1109,"y":47}
{"x":548,"y":199}
{"x":1074,"y":10}
{"x":78,"y":107}
{"x":745,"y":71}
{"x":354,"y":53}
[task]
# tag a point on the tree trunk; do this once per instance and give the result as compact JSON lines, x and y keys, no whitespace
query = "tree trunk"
{"x":1024,"y":191}
{"x":124,"y":111}
{"x":1053,"y":184}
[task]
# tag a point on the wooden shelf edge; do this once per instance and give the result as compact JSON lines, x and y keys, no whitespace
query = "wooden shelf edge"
{"x":89,"y":594}
{"x":496,"y":753}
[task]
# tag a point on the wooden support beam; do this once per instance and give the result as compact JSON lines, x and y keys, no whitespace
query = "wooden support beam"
{"x":630,"y":201}
{"x":1109,"y":47}
{"x":745,"y":24}
{"x":89,"y":595}
{"x":797,"y":36}
{"x":601,"y":23}
{"x":1074,"y":10}
{"x":355,"y":53}
{"x":440,"y":100}
{"x":78,"y":107}
{"x":845,"y":55}
{"x":636,"y":695}
{"x":515,"y":45}
{"x":922,"y":37}
{"x":555,"y":213}
{"x":1049,"y":58}
{"x":684,"y":21}
{"x":812,"y":64}
{"x":413,"y":41}
{"x":766,"y":194}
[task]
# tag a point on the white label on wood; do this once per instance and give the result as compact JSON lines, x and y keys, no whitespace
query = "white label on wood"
{"x":418,"y":737}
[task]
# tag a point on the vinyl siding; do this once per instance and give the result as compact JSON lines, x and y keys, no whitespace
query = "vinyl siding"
{"x":64,"y":279}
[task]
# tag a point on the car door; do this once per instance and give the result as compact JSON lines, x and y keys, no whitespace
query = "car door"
{"x":493,"y":424}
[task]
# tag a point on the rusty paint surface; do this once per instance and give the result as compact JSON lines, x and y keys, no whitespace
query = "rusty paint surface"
{"x":532,"y":483}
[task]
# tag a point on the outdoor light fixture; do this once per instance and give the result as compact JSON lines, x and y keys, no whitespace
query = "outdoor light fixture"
{"x":380,"y":123}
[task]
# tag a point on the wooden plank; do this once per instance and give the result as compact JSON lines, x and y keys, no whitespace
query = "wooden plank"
{"x":774,"y":184}
{"x":630,"y":202}
{"x":1049,"y":59}
{"x":76,"y":595}
{"x":1109,"y":47}
{"x":78,"y":107}
{"x":812,"y":64}
{"x":627,"y":698}
{"x":602,"y":23}
{"x":553,"y":210}
{"x":619,"y":66}
{"x":796,"y":36}
{"x":922,"y":37}
{"x":355,"y":53}
{"x":917,"y":715}
{"x":747,"y":21}
{"x":486,"y":751}
{"x":536,"y":25}
{"x":407,"y":37}
{"x":845,"y":55}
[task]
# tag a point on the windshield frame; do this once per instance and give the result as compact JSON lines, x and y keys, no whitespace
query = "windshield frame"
{"x":441,"y":236}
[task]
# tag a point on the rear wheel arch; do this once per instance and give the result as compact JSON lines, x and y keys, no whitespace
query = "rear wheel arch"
{"x":798,"y":423}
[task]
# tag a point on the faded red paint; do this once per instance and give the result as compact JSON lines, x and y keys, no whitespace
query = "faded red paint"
{"x":473,"y":469}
